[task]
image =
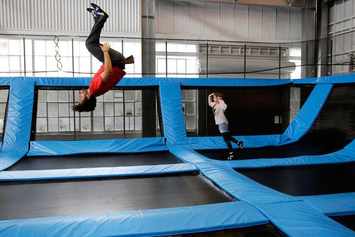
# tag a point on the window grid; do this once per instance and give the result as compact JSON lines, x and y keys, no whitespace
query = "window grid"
{"x":118,"y":112}
{"x":181,"y":60}
{"x":12,"y":56}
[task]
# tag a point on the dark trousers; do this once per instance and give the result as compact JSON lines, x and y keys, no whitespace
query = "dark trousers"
{"x":93,"y":44}
{"x":228,"y":139}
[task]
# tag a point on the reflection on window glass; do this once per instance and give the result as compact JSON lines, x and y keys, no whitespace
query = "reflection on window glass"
{"x":190,"y":109}
{"x":181,"y":60}
{"x":74,"y":59}
{"x":295,"y":57}
{"x":118,"y":113}
{"x":3,"y":103}
{"x":11,"y":57}
{"x":133,"y":48}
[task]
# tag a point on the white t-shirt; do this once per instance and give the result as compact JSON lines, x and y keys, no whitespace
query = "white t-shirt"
{"x":218,"y":110}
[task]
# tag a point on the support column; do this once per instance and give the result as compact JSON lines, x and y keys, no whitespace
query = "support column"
{"x":148,"y":67}
{"x":309,"y":40}
{"x":309,"y":50}
{"x":324,"y":47}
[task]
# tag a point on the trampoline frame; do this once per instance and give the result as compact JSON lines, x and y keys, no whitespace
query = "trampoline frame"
{"x":294,"y":216}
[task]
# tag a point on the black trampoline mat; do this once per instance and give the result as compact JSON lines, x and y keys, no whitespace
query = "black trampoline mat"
{"x":306,"y":180}
{"x":267,"y":230}
{"x":104,"y":196}
{"x":348,"y":221}
{"x":312,"y":144}
{"x":94,"y":160}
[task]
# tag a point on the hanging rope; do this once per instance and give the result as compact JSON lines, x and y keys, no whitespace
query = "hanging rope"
{"x":57,"y":55}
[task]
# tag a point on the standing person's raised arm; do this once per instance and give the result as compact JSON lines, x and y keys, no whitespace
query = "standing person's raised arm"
{"x":107,"y":62}
{"x":211,"y":103}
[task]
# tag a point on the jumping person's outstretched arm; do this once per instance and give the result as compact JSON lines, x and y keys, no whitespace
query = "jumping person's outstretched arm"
{"x":107,"y":62}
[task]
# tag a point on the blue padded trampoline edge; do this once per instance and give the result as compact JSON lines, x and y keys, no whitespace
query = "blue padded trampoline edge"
{"x":122,"y":145}
{"x":18,"y":122}
{"x":258,"y":196}
{"x":117,"y":172}
{"x":157,"y":222}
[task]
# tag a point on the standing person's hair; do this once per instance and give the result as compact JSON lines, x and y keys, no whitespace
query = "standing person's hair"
{"x":218,"y":94}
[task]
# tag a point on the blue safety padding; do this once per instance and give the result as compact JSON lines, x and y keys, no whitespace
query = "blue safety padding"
{"x":216,"y":142}
{"x":300,"y":219}
{"x":152,"y":81}
{"x":18,"y":122}
{"x":290,"y":214}
{"x":155,"y":222}
{"x":349,"y":149}
{"x":235,"y":184}
{"x":295,"y":216}
{"x":345,"y":155}
{"x":307,"y":114}
{"x":233,"y":82}
{"x":188,"y":82}
{"x":172,"y":116}
{"x":333,"y":204}
{"x":84,"y":82}
{"x":335,"y":79}
{"x":185,"y":153}
{"x":299,"y":126}
{"x":124,"y":145}
{"x":5,"y":81}
{"x":129,"y":171}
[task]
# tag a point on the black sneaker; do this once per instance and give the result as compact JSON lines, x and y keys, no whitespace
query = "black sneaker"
{"x":98,"y":10}
{"x":93,"y":12}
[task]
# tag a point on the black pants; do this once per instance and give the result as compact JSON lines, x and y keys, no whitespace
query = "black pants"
{"x":93,"y":44}
{"x":228,"y":139}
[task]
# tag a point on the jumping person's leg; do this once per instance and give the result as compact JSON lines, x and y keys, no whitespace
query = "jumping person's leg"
{"x":93,"y":44}
{"x":93,"y":41}
{"x":224,"y":130}
{"x":226,"y":138}
{"x":240,"y":144}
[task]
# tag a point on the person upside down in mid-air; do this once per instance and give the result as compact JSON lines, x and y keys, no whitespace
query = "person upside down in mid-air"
{"x":216,"y":102}
{"x":112,"y":69}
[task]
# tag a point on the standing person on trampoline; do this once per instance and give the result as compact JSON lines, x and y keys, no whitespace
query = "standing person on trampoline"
{"x":216,"y":102}
{"x":112,"y":69}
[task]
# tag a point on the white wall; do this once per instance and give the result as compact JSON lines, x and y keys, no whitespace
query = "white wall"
{"x":67,"y":17}
{"x":227,"y":21}
{"x":342,"y":31}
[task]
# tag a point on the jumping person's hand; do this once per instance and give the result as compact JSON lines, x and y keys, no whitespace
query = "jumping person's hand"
{"x":105,"y":47}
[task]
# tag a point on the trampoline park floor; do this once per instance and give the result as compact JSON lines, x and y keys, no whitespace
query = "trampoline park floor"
{"x":310,"y":144}
{"x":267,"y":230}
{"x":348,"y":221}
{"x":94,"y":160}
{"x":103,"y":196}
{"x":306,"y":180}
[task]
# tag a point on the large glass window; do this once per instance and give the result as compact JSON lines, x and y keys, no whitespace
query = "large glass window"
{"x":180,"y":60}
{"x":118,"y":113}
{"x":11,"y":57}
{"x":177,"y":60}
{"x":62,"y":57}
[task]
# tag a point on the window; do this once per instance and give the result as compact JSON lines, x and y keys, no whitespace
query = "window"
{"x":11,"y":57}
{"x":118,"y":113}
{"x":180,"y":60}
